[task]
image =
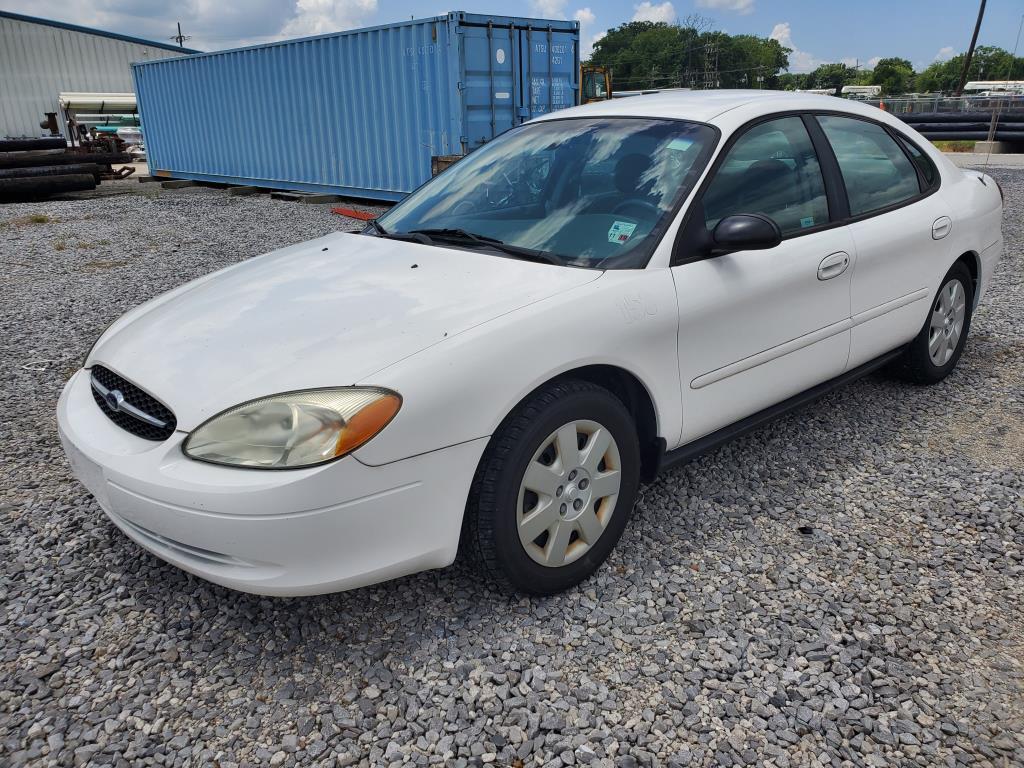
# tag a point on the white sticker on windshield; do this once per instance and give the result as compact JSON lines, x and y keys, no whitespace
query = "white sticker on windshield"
{"x":680,"y":144}
{"x":621,"y":231}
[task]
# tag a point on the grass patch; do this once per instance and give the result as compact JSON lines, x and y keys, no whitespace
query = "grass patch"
{"x":60,"y":245}
{"x":102,"y":264}
{"x":954,"y":146}
{"x":34,"y":218}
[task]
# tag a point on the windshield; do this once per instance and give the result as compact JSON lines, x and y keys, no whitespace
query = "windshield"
{"x":593,"y":192}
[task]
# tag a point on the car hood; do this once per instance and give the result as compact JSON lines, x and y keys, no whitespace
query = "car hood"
{"x":329,"y":312}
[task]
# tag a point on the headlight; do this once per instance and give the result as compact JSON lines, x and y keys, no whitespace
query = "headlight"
{"x":294,"y":429}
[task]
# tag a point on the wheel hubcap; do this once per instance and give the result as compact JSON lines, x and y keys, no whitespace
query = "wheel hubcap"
{"x":947,"y":322}
{"x":568,"y":493}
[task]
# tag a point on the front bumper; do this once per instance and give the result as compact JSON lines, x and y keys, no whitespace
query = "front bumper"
{"x":288,"y":532}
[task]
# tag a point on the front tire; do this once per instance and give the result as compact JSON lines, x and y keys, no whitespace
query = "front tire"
{"x":934,"y":353}
{"x":554,"y":489}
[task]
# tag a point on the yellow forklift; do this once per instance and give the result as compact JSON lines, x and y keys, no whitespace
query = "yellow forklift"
{"x":595,"y":83}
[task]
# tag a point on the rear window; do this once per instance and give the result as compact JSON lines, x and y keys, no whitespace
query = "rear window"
{"x":929,"y":172}
{"x":876,"y":172}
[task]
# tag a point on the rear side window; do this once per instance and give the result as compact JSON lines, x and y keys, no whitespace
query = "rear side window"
{"x":924,"y":164}
{"x":876,"y":172}
{"x":772,"y":169}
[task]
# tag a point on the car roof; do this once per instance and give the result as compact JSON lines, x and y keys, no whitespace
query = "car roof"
{"x":713,"y":105}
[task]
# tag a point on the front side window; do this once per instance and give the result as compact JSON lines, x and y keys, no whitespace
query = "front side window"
{"x":876,"y":172}
{"x":772,"y":169}
{"x":593,"y":192}
{"x":594,"y":86}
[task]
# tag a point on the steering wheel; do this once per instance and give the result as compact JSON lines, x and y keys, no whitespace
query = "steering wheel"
{"x":647,"y":209}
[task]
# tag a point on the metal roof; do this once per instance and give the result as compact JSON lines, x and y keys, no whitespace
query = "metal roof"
{"x":41,"y":59}
{"x":99,"y":32}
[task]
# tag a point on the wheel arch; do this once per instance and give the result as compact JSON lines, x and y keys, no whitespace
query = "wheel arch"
{"x":631,"y":391}
{"x":973,"y":263}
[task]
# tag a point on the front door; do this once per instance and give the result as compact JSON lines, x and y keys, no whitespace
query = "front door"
{"x":757,"y":327}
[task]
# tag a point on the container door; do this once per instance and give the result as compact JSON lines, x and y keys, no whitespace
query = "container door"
{"x":549,"y":71}
{"x":489,"y":89}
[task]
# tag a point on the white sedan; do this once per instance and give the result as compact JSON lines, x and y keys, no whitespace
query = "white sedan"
{"x":499,"y":361}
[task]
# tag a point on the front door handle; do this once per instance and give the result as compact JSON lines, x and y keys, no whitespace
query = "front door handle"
{"x":941,"y":227}
{"x":833,"y":265}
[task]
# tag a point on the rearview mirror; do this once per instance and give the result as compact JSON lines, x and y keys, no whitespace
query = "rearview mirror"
{"x":746,"y":232}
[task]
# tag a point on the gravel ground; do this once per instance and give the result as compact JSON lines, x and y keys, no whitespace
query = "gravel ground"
{"x":843,"y":587}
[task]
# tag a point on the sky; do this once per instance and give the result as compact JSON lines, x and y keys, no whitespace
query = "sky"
{"x":818,"y":31}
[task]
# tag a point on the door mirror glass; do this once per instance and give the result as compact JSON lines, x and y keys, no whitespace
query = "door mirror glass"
{"x":745,"y":232}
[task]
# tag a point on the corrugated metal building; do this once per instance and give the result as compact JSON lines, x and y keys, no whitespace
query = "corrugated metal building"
{"x":40,"y":58}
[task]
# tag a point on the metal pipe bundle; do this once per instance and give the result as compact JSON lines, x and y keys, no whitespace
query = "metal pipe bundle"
{"x":967,"y":126}
{"x":44,"y":186}
{"x":65,"y":158}
{"x":52,"y":170}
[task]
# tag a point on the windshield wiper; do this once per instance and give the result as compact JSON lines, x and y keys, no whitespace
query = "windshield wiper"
{"x":453,"y":233}
{"x":376,"y":225}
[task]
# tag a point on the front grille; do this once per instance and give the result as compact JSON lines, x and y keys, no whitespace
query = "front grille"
{"x":136,"y":399}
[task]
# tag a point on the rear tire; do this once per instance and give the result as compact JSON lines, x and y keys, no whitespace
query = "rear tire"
{"x":554,"y":490}
{"x":934,"y":353}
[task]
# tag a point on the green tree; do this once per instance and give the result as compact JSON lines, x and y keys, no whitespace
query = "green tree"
{"x":989,"y":63}
{"x":832,"y":76}
{"x":792,"y":81}
{"x":645,"y":54}
{"x":894,"y":75}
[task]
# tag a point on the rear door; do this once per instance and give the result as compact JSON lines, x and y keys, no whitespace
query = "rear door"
{"x":757,"y":327}
{"x":489,"y":94}
{"x":514,"y":73}
{"x":548,"y":71}
{"x":899,"y":230}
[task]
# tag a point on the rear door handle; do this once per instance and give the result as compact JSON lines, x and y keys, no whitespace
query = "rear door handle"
{"x":833,"y":265}
{"x":941,"y":227}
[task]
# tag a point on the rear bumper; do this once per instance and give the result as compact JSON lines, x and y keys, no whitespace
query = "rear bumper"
{"x":331,"y":528}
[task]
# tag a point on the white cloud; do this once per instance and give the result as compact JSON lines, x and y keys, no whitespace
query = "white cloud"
{"x":801,"y":61}
{"x":783,"y":34}
{"x":587,"y":19}
{"x":317,"y":17}
{"x":646,"y":11}
{"x":742,"y":7}
{"x":945,"y":52}
{"x":585,"y":16}
{"x":873,"y":61}
{"x":213,"y":24}
{"x":549,"y":9}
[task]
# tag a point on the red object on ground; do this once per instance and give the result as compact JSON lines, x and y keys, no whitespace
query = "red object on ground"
{"x":352,"y":213}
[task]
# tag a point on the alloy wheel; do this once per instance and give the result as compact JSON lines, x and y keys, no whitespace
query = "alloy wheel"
{"x":568,"y":493}
{"x":947,"y":322}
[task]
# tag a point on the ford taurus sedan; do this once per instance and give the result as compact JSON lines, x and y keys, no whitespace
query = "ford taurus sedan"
{"x":498,"y":362}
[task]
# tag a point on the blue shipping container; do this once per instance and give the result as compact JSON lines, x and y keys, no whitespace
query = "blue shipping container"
{"x":357,"y":113}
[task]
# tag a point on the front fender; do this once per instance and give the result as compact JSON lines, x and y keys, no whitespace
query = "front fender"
{"x":463,"y":388}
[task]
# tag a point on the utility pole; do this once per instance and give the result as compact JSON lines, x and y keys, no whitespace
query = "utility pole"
{"x":970,"y":51}
{"x":180,"y":38}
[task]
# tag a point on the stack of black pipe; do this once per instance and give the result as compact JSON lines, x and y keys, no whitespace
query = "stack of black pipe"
{"x":28,"y":174}
{"x":967,"y":126}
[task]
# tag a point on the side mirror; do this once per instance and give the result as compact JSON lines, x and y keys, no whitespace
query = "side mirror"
{"x":745,"y":232}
